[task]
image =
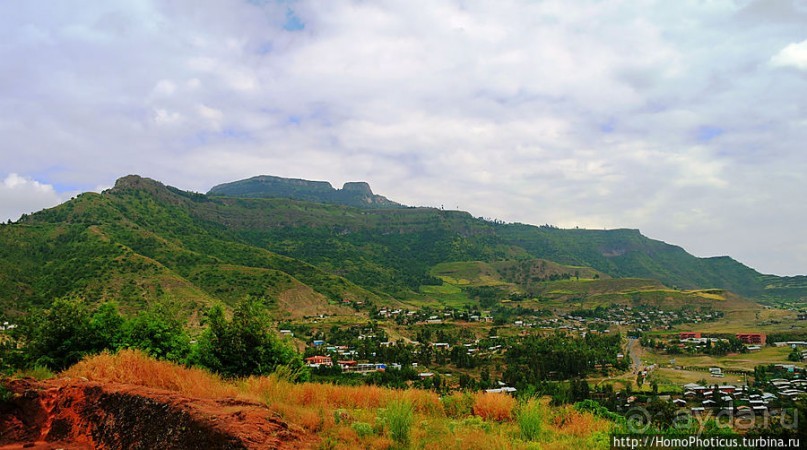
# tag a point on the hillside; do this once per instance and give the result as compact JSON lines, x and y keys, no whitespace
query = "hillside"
{"x":142,"y":240}
{"x":129,"y":400}
{"x":357,"y":193}
{"x":138,"y":242}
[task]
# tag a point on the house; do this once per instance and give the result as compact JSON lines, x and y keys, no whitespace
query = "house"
{"x":727,"y":388}
{"x":505,"y":389}
{"x":346,"y":364}
{"x":318,"y":361}
{"x":689,"y":335}
{"x":751,"y":338}
{"x":679,"y":402}
{"x":791,"y":393}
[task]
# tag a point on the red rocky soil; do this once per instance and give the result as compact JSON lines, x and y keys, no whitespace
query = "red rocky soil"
{"x":76,"y":414}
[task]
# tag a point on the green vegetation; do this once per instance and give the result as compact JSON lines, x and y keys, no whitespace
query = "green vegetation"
{"x":397,"y":418}
{"x":142,"y":241}
{"x":536,"y":359}
{"x":244,"y":345}
{"x":530,"y":420}
{"x":60,"y":336}
{"x":204,"y":280}
{"x":356,"y":194}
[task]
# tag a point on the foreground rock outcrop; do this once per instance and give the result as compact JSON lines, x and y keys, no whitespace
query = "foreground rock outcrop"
{"x":76,"y":414}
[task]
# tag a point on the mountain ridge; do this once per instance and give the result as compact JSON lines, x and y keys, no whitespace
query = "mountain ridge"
{"x":353,"y":193}
{"x":141,"y":240}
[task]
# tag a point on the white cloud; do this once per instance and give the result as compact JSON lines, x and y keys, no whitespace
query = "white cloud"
{"x":657,"y":115}
{"x":793,"y":55}
{"x":21,"y":195}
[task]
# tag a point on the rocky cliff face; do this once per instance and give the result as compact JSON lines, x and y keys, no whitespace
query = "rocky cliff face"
{"x":355,"y":193}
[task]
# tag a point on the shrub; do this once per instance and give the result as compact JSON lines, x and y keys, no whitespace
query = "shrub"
{"x":398,"y":417}
{"x":494,"y":406}
{"x":36,"y":372}
{"x":363,"y":429}
{"x":530,"y":420}
{"x":5,"y":394}
{"x":245,"y":345}
{"x":158,"y":331}
{"x":576,"y":423}
{"x":458,"y":404}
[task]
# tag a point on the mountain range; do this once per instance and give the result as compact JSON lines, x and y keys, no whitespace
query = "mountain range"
{"x":311,"y":249}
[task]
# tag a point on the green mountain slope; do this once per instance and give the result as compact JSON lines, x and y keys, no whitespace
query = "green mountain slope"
{"x":355,"y":193}
{"x":142,"y":240}
{"x":627,"y":253}
{"x":138,"y":242}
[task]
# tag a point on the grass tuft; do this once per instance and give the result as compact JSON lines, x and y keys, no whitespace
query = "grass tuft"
{"x":37,"y":372}
{"x":398,"y":417}
{"x":530,"y":420}
{"x":494,"y":406}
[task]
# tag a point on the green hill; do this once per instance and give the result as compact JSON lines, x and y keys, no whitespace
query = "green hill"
{"x":356,"y":193}
{"x":141,"y":240}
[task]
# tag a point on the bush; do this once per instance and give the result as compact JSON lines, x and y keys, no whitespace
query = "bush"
{"x":36,"y":372}
{"x":158,"y":331}
{"x":363,"y":429}
{"x":458,"y":404}
{"x":398,"y":417}
{"x":494,"y":406}
{"x":530,"y":420}
{"x":5,"y":394}
{"x":245,"y":345}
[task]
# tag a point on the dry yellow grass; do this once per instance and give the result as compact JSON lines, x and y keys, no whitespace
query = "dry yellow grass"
{"x":336,"y":413}
{"x":135,"y":367}
{"x":569,"y":421}
{"x":494,"y":406}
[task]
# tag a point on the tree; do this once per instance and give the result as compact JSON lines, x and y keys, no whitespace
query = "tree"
{"x":159,"y":332}
{"x":106,"y":327}
{"x":57,"y":337}
{"x":244,"y":345}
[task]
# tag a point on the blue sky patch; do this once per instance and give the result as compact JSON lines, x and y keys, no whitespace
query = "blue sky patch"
{"x":707,"y":132}
{"x":293,"y":22}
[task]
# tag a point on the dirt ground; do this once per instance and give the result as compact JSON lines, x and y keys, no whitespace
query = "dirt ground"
{"x":79,"y":415}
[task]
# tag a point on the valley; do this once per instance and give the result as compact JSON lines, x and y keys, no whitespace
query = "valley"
{"x":346,"y":288}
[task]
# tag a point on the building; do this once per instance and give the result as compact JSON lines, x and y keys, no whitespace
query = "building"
{"x":689,"y":335}
{"x":752,"y":338}
{"x":318,"y":360}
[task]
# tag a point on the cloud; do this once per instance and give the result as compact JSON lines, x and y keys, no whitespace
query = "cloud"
{"x":19,"y":195}
{"x":793,"y":55}
{"x":652,"y":115}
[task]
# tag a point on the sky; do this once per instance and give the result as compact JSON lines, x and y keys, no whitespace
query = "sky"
{"x":684,"y":119}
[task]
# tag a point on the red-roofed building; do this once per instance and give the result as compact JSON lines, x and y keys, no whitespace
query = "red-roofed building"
{"x":319,"y":361}
{"x":752,"y":338}
{"x":346,"y":364}
{"x":689,"y":335}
